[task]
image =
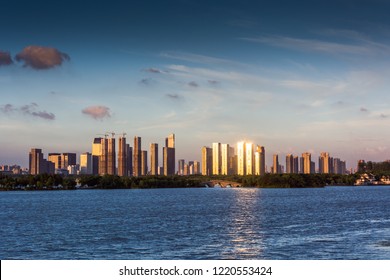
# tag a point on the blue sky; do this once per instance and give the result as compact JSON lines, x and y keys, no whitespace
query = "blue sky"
{"x":293,"y":76}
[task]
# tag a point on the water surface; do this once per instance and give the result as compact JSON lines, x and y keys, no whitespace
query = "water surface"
{"x":245,"y":223}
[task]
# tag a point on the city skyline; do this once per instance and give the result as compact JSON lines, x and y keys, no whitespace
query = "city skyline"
{"x":244,"y":158}
{"x":308,"y":76}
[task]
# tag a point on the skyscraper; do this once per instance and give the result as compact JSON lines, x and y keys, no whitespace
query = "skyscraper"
{"x":232,"y":161}
{"x":154,"y":159}
{"x":122,"y":157}
{"x":137,"y":156}
{"x":207,"y":160}
{"x":96,"y":153}
{"x":68,"y":159}
{"x":275,"y":167}
{"x":39,"y":165}
{"x":103,"y":156}
{"x":169,"y":155}
{"x":181,"y":163}
{"x":289,"y":163}
{"x":259,"y":160}
{"x":86,"y":163}
{"x":111,"y":156}
{"x":307,"y":165}
{"x":296,"y":165}
{"x":144,"y":163}
{"x":249,"y":150}
{"x":129,"y":160}
{"x":36,"y":163}
{"x":225,"y":156}
{"x":324,"y":163}
{"x":217,"y":158}
{"x":196,"y":167}
{"x":56,"y":158}
{"x":241,"y":158}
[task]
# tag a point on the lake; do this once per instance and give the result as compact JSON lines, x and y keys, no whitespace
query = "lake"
{"x":205,"y":223}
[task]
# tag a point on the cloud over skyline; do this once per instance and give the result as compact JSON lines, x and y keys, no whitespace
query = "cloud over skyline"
{"x":97,"y":112}
{"x":153,"y":70}
{"x":40,"y":58}
{"x":29,"y":110}
{"x":5,"y":58}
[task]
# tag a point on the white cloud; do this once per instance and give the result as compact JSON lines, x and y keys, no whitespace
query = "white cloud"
{"x":360,"y":46}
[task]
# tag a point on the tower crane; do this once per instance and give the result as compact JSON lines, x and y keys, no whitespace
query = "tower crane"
{"x":112,"y":134}
{"x":105,"y":134}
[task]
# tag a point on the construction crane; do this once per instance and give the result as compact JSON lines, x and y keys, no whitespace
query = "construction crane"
{"x":112,"y":133}
{"x":105,"y":134}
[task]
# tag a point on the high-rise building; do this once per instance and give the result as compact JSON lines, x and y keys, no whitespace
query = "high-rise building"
{"x":96,"y":153}
{"x":111,"y":156}
{"x":217,"y":158}
{"x":39,"y":165}
{"x":103,"y":156}
{"x":86,"y":163}
{"x":181,"y":163}
{"x":207,"y":161}
{"x":289,"y":163}
{"x":186,"y":169}
{"x":55,"y":158}
{"x":339,"y":166}
{"x":154,"y":159}
{"x":307,"y":166}
{"x":259,"y":160}
{"x":129,"y":160}
{"x":196,"y":167}
{"x":250,"y":160}
{"x":296,"y":165}
{"x":122,"y":157}
{"x":324,"y":163}
{"x":137,"y":156}
{"x":169,"y":155}
{"x":144,"y":163}
{"x":241,"y":158}
{"x":36,"y":163}
{"x":275,"y":166}
{"x":68,"y":159}
{"x":232,"y":161}
{"x":225,"y":156}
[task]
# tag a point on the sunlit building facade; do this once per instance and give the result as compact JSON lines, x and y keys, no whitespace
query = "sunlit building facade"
{"x":241,"y":158}
{"x":307,"y":164}
{"x":217,"y":159}
{"x":137,"y":156}
{"x":122,"y":157}
{"x":86,"y":163}
{"x":169,"y":160}
{"x":225,"y":156}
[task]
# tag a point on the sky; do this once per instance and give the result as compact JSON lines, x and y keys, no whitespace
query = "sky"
{"x":292,"y":76}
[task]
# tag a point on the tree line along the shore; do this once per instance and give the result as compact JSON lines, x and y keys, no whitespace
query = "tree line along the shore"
{"x":50,"y":181}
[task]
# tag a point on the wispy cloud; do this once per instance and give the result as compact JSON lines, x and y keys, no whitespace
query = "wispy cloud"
{"x":197,"y":58}
{"x":359,"y":45}
{"x":146,"y":81}
{"x":97,"y":112}
{"x":173,"y":96}
{"x":310,"y":45}
{"x":364,"y":110}
{"x":193,"y":84}
{"x":5,"y":58}
{"x":153,"y":70}
{"x":213,"y":82}
{"x":40,"y":58}
{"x":29,"y":110}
